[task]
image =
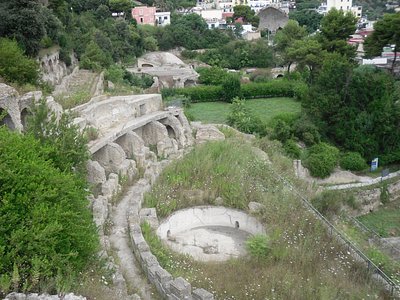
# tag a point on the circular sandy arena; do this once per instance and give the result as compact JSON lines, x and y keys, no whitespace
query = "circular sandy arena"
{"x":209,"y":233}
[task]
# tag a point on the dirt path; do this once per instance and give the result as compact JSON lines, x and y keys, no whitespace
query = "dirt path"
{"x":136,"y":281}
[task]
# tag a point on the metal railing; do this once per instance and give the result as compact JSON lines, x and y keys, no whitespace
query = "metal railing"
{"x":376,"y":272}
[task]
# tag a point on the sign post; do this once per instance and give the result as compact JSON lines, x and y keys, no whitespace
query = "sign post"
{"x":374,"y":164}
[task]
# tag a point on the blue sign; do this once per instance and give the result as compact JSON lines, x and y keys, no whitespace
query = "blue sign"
{"x":374,"y":164}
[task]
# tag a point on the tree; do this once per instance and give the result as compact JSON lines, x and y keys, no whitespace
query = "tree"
{"x":24,"y":21}
{"x":336,"y":28}
{"x":355,"y":108}
{"x":15,"y":66}
{"x":285,"y":38}
{"x":309,"y":18}
{"x":386,"y":32}
{"x":308,"y":53}
{"x":245,"y":12}
{"x":120,"y":5}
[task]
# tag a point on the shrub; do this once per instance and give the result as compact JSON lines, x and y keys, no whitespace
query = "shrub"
{"x":281,"y":131}
{"x":321,"y":159}
{"x":231,"y":88}
{"x":15,"y":66}
{"x":353,"y":161}
{"x":241,"y":118}
{"x":328,"y":203}
{"x":212,"y":76}
{"x":115,"y":74}
{"x":65,"y":56}
{"x":200,"y":93}
{"x":189,"y":54}
{"x":306,"y":131}
{"x":258,"y":247}
{"x":46,"y":228}
{"x":273,"y":88}
{"x":292,"y":149}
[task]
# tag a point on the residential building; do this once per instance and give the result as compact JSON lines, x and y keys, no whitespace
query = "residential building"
{"x":344,"y":5}
{"x":148,"y":15}
{"x":213,"y":17}
{"x":162,"y":18}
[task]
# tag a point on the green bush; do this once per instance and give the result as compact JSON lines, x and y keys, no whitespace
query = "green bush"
{"x":115,"y":74}
{"x":231,"y":88}
{"x":353,"y":161}
{"x":15,"y":66}
{"x":258,"y":247}
{"x":189,"y":54}
{"x":65,"y":56}
{"x":273,"y":88}
{"x":292,"y":149}
{"x":212,"y":76}
{"x":242,"y":119}
{"x":46,"y":228}
{"x":321,"y":159}
{"x":328,"y":203}
{"x":199,"y":93}
{"x":306,"y":131}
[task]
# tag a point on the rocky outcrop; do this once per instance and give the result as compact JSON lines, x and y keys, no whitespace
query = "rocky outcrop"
{"x":53,"y":69}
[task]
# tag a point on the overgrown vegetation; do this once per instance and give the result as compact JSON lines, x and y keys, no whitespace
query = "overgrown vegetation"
{"x":47,"y":235}
{"x":302,"y":262}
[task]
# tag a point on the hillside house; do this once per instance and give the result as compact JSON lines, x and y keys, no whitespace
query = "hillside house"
{"x":149,"y":15}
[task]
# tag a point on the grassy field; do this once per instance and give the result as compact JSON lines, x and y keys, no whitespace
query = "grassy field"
{"x":385,"y":221}
{"x":302,"y":260}
{"x":266,"y":109}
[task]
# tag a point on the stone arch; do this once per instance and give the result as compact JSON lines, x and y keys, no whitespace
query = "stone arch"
{"x":6,"y":120}
{"x":189,"y":82}
{"x":171,"y":132}
{"x":175,"y":130}
{"x":147,"y":65}
{"x":25,"y":113}
{"x":279,"y":76}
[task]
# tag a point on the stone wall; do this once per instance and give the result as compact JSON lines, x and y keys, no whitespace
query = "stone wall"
{"x":16,"y":106}
{"x":21,"y":296}
{"x":53,"y":69}
{"x":272,"y":19}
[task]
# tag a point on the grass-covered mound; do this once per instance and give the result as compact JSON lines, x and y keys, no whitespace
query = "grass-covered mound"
{"x":303,"y":260}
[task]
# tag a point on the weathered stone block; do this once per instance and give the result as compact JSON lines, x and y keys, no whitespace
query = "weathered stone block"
{"x":202,"y":294}
{"x":149,"y":215}
{"x":181,"y":289}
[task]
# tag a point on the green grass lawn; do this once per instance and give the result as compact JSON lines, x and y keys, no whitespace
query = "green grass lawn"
{"x":266,"y":109}
{"x":385,"y":221}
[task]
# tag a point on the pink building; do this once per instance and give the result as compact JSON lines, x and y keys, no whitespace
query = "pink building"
{"x":144,"y":15}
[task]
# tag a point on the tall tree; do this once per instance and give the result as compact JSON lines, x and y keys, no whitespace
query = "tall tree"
{"x":386,"y":32}
{"x":336,"y":28}
{"x":245,"y":12}
{"x":285,"y":38}
{"x":309,"y":18}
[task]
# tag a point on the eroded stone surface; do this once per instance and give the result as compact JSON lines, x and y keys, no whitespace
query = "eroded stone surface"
{"x":209,"y":233}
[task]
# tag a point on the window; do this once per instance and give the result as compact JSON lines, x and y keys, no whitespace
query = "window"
{"x":165,"y":18}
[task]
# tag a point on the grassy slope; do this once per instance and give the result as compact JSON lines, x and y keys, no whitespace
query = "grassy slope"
{"x":304,"y":261}
{"x":266,"y":109}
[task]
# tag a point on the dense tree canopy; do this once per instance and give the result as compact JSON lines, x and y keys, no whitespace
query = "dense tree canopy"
{"x":336,"y":28}
{"x":308,"y":18}
{"x":356,"y":108}
{"x":386,"y":32}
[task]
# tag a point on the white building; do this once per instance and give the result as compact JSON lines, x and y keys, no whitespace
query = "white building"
{"x":345,"y":5}
{"x":162,"y":18}
{"x":213,"y":17}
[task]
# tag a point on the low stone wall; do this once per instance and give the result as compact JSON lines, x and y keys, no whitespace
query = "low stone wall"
{"x":21,"y":296}
{"x":168,"y":287}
